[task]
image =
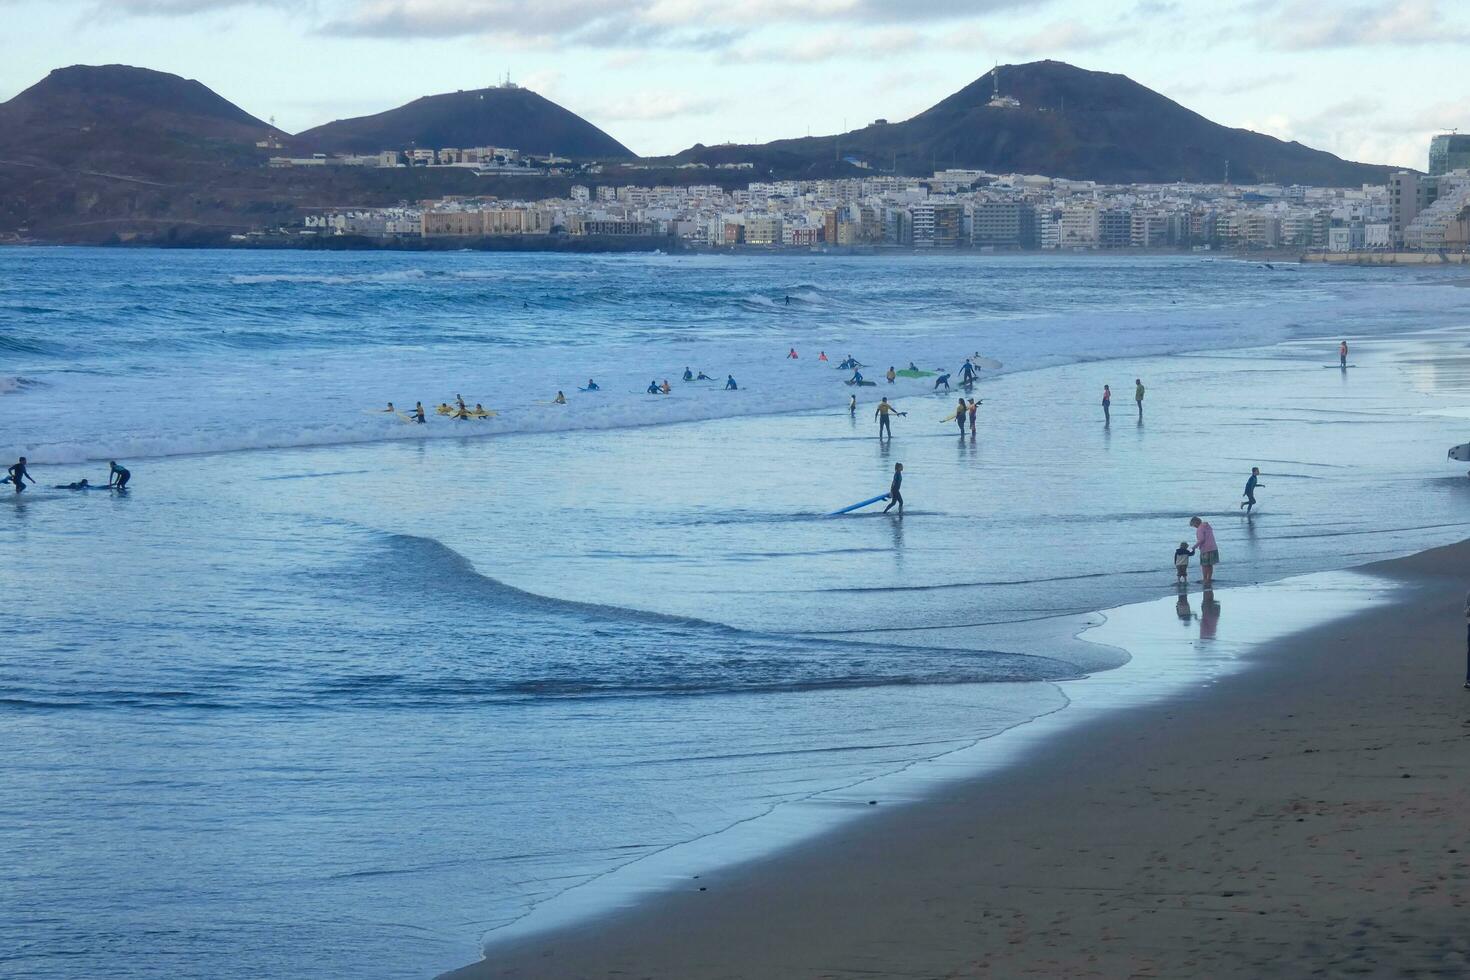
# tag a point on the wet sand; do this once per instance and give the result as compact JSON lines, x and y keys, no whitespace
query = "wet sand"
{"x":1308,"y":816}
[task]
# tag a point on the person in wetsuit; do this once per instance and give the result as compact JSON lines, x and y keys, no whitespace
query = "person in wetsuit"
{"x":688,"y":375}
{"x":882,"y":413}
{"x":730,"y":384}
{"x":960,"y":413}
{"x":19,"y":474}
{"x":943,"y":379}
{"x":852,"y":405}
{"x":967,"y":372}
{"x":591,"y":386}
{"x":117,"y":476}
{"x":652,"y":388}
{"x":1138,"y":394}
{"x":1250,"y":489}
{"x":81,"y":484}
{"x":894,"y":496}
{"x":857,"y":377}
{"x":560,"y":399}
{"x":701,"y":376}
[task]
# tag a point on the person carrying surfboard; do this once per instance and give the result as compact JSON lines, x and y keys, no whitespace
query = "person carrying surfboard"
{"x":881,"y":413}
{"x":418,"y":413}
{"x":961,"y":411}
{"x":894,"y":496}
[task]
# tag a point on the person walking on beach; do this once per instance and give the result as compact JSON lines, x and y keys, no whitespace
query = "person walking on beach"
{"x":881,"y":413}
{"x":1138,"y":394}
{"x":895,"y":497}
{"x":19,"y":474}
{"x":1342,"y":354}
{"x":1107,"y":404}
{"x":1250,"y":489}
{"x":1181,"y":561}
{"x":1467,"y":641}
{"x":1209,"y":551}
{"x":960,"y":412}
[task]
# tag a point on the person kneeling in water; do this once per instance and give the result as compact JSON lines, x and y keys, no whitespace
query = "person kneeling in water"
{"x":117,"y":476}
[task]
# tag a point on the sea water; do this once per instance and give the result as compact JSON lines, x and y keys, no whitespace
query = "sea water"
{"x":331,"y":693}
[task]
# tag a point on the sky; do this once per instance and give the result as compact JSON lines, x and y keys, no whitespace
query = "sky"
{"x":1369,"y":81}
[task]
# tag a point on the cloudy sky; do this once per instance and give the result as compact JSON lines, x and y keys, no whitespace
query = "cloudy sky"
{"x":1367,"y":80}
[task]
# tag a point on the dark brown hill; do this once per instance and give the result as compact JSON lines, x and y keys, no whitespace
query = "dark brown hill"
{"x":1070,"y":123}
{"x":501,"y":116}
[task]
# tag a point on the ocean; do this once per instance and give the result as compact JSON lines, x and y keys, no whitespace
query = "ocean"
{"x":329,"y":693}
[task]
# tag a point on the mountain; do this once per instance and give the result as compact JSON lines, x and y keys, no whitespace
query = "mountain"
{"x":89,"y":111}
{"x":502,"y":116}
{"x":1070,"y":122}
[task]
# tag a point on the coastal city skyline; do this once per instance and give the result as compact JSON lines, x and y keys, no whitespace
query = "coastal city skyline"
{"x":660,"y":77}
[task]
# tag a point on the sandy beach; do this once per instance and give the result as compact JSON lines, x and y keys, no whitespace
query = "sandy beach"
{"x":1303,"y":817}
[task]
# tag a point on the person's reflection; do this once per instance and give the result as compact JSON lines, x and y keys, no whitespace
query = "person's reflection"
{"x":897,"y":529}
{"x":1182,"y":609}
{"x":1209,"y":615}
{"x":883,"y":448}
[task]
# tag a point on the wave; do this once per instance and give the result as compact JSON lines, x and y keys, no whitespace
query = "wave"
{"x":328,"y":279}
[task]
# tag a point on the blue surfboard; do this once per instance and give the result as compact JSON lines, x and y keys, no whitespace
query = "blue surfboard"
{"x":858,"y":506}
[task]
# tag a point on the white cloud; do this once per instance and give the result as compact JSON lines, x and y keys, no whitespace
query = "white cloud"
{"x":830,"y":46}
{"x":1306,"y":24}
{"x":653,"y":105}
{"x":1068,"y":35}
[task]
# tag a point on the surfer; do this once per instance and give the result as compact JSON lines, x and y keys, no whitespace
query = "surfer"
{"x":703,"y":377}
{"x":1138,"y":394}
{"x":882,"y":413}
{"x":1250,"y":489}
{"x":967,"y":372}
{"x":857,"y":377}
{"x":480,"y":412}
{"x":961,"y":410}
{"x":1342,"y":354}
{"x":791,"y":354}
{"x":81,"y":484}
{"x":560,"y":399}
{"x":852,"y":405}
{"x":822,"y":356}
{"x":891,"y":374}
{"x":1204,"y":543}
{"x":117,"y":476}
{"x":913,"y":366}
{"x":688,"y":375}
{"x":1107,"y":404}
{"x":390,"y":410}
{"x":459,"y":401}
{"x":591,"y":386}
{"x":418,"y":413}
{"x":664,"y":388}
{"x":895,"y":497}
{"x":652,"y":388}
{"x":19,"y":474}
{"x":444,"y":409}
{"x":943,"y":379}
{"x":974,"y":410}
{"x":730,"y":384}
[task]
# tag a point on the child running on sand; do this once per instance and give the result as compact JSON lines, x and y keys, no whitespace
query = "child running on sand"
{"x":1181,"y":561}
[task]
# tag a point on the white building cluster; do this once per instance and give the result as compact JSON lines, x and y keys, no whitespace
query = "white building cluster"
{"x":949,"y":210}
{"x":480,"y":159}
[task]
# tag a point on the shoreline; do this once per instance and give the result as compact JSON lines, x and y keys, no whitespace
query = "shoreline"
{"x":1178,"y":866}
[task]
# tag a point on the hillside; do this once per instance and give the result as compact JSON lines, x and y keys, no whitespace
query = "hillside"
{"x":502,"y":116}
{"x":1070,"y":123}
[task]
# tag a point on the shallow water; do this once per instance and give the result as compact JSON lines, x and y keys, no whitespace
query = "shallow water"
{"x":356,"y":700}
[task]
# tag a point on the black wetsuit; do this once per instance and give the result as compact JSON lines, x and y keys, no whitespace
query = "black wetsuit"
{"x":959,"y":417}
{"x":18,"y":476}
{"x":894,"y":496}
{"x":120,"y":478}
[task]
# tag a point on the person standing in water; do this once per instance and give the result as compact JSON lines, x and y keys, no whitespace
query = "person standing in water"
{"x":967,"y":372}
{"x":881,"y":413}
{"x":19,"y":474}
{"x":896,"y":497}
{"x":852,"y":405}
{"x":1107,"y":404}
{"x":117,"y":476}
{"x":891,"y":374}
{"x":974,"y":410}
{"x":1205,"y":546}
{"x":730,"y":384}
{"x":1342,"y":354}
{"x":960,"y":412}
{"x":791,"y":354}
{"x":1250,"y":489}
{"x":418,"y":413}
{"x":560,"y":399}
{"x":1138,"y":395}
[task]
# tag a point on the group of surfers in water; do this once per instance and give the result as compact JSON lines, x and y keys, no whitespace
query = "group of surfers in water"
{"x":117,"y":478}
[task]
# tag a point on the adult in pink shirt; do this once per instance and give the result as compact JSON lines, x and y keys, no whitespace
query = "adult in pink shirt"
{"x":1205,"y":546}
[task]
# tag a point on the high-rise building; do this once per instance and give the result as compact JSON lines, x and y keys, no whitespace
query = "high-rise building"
{"x":1450,"y":151}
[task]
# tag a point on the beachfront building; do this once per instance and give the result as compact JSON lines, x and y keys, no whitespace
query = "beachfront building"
{"x":1448,"y":152}
{"x":1436,"y":226}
